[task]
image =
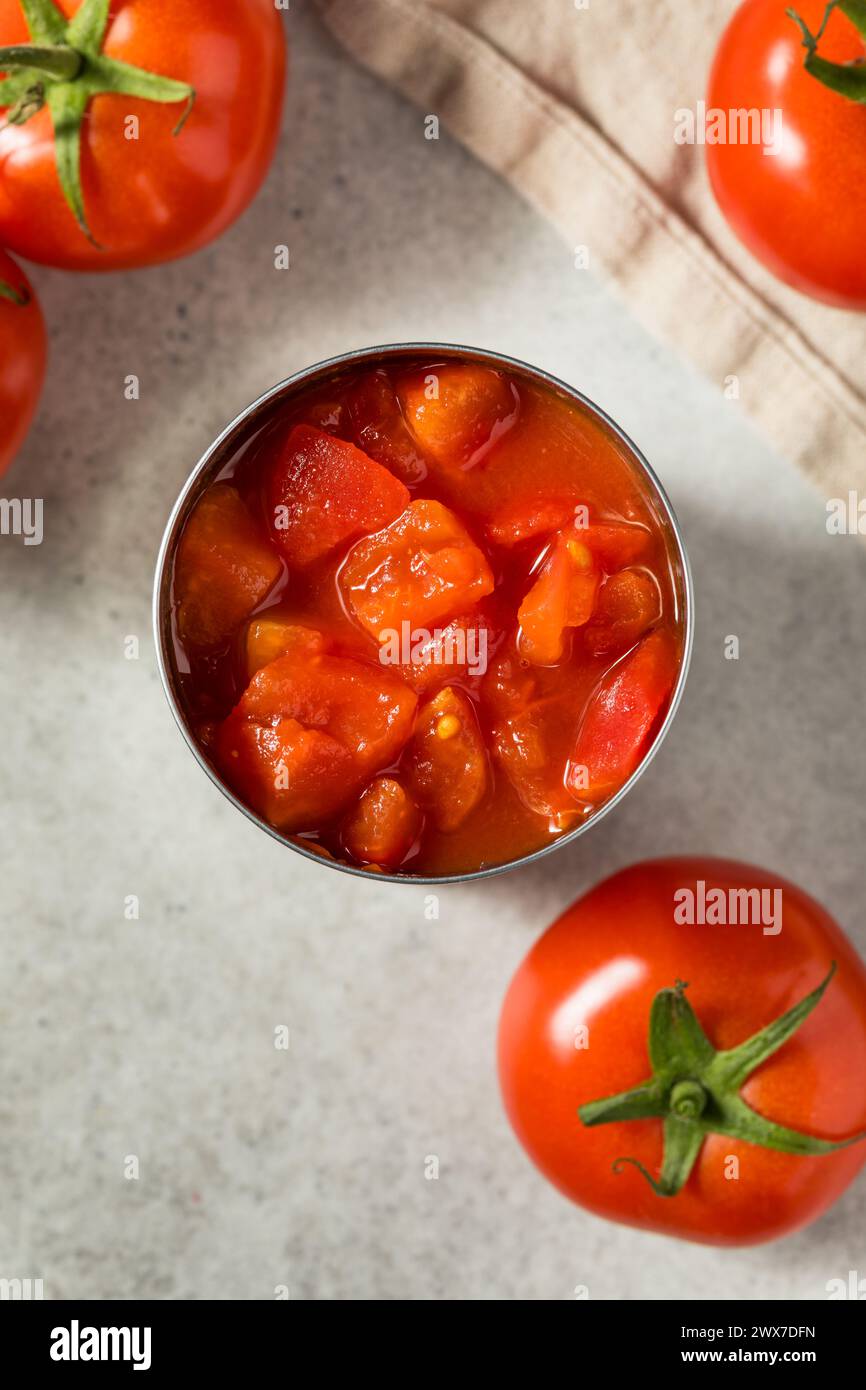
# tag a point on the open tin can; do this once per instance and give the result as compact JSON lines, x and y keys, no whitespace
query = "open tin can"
{"x":264,"y":412}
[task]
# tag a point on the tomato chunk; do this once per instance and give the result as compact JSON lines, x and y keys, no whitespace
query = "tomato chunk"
{"x":422,"y":568}
{"x":628,"y":603}
{"x":329,"y":415}
{"x":525,"y":745}
{"x":454,"y":412}
{"x":562,"y":596}
{"x":295,"y":778}
{"x":384,"y":825}
{"x":549,"y":453}
{"x":224,"y":568}
{"x":620,"y":718}
{"x":533,"y":713}
{"x":525,"y":521}
{"x":381,"y":431}
{"x":267,"y":638}
{"x":448,"y":759}
{"x":323,"y":492}
{"x":448,"y":653}
{"x":368,"y":710}
{"x":614,"y":543}
{"x":307,"y":732}
{"x":509,"y":686}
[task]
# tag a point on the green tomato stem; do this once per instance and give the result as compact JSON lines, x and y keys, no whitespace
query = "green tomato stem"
{"x":49,"y":60}
{"x":19,"y":297}
{"x":688,"y":1100}
{"x":694,"y":1089}
{"x":846,"y":79}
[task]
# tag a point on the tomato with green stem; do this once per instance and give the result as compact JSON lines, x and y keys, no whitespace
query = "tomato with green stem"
{"x":799,"y":202}
{"x":23,"y":350}
{"x":672,"y":1071}
{"x":133,"y":132}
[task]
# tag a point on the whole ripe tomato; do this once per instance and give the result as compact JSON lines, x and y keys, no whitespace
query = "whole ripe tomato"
{"x":146,"y":193}
{"x":23,"y":349}
{"x":574,"y":1033}
{"x":802,"y":211}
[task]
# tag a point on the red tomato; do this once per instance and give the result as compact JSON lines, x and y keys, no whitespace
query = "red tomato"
{"x":160,"y":195}
{"x":600,"y":968}
{"x":802,"y":212}
{"x":23,"y":350}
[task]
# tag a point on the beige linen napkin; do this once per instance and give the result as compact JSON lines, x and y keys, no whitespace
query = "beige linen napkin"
{"x":575,"y":104}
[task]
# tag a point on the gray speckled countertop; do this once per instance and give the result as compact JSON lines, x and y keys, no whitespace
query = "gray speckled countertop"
{"x":155,"y":1037}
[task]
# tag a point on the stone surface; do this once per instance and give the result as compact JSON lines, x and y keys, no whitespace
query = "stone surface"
{"x":155,"y":1037}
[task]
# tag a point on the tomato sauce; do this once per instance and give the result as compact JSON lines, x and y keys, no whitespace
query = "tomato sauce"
{"x":428,"y":617}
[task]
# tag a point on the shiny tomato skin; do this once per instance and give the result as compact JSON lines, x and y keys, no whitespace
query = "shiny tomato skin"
{"x":802,"y":212}
{"x":600,"y":965}
{"x":23,"y":352}
{"x":160,"y":196}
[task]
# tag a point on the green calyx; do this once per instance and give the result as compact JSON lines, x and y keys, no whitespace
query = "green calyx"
{"x":19,"y":297}
{"x":63,"y":68}
{"x":848,"y":79}
{"x":694,"y":1089}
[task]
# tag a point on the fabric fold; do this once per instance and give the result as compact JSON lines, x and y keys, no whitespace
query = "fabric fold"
{"x":800,"y":368}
